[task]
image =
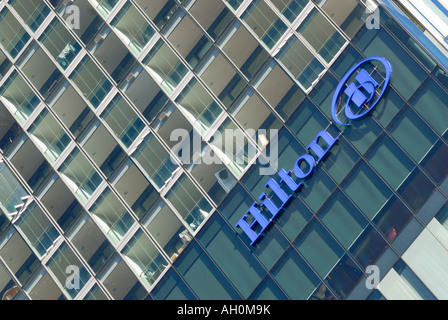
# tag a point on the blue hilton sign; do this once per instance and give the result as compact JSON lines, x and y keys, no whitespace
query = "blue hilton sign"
{"x":362,"y":98}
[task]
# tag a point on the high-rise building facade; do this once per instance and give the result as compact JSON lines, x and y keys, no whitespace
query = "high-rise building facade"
{"x":222,"y":149}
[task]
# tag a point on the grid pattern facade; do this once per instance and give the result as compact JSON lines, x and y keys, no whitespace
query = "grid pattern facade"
{"x":91,"y":177}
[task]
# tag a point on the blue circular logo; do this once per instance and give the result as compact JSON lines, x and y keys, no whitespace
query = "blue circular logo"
{"x":362,"y":95}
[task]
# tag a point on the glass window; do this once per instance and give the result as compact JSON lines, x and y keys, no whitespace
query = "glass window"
{"x":392,"y":218}
{"x":38,"y":229}
{"x":168,"y":230}
{"x":264,"y":22}
{"x":289,"y":149}
{"x":33,"y":12}
{"x":232,"y":147}
{"x":244,"y":50}
{"x":321,"y":35}
{"x":111,"y":216}
{"x":189,"y":202}
{"x":160,"y":12}
{"x":79,"y":175}
{"x":416,"y":189}
{"x":406,"y":41}
{"x":414,"y":136}
{"x":188,"y":39}
{"x":322,"y":94}
{"x":290,"y":9}
{"x":156,"y":162}
{"x":434,"y":163}
{"x":49,"y":136}
{"x":228,"y":85}
{"x":132,"y":28}
{"x":295,"y":276}
{"x":317,"y":189}
{"x":165,"y":67}
{"x":318,"y":248}
{"x":294,"y":219}
{"x":60,"y":43}
{"x":123,"y":121}
{"x":231,"y":255}
{"x":368,"y":247}
{"x":389,"y":161}
{"x":202,"y":275}
{"x":198,"y":106}
{"x":342,"y":219}
{"x":340,"y":160}
{"x":349,"y":16}
{"x":430,"y":103}
{"x":18,"y":98}
{"x":13,"y":36}
{"x":172,"y":287}
{"x":268,"y":290}
{"x":301,"y":62}
{"x":105,"y":6}
{"x":212,"y":15}
{"x":362,"y":134}
{"x":11,"y":191}
{"x":243,"y":111}
{"x":366,"y":189}
{"x":279,"y":90}
{"x":388,"y":107}
{"x":91,"y":81}
{"x":344,"y":277}
{"x":307,"y":122}
{"x":144,"y":258}
{"x":95,"y":294}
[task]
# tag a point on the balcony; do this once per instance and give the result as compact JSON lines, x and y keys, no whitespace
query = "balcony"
{"x":10,"y":130}
{"x":44,"y":287}
{"x":91,"y":243}
{"x":198,"y":106}
{"x":71,"y":109}
{"x":168,"y":230}
{"x":160,"y":12}
{"x":91,"y":81}
{"x":34,"y":172}
{"x":118,"y":279}
{"x":33,"y":12}
{"x":112,"y":54}
{"x":80,"y":176}
{"x":244,"y":50}
{"x":189,"y":202}
{"x":135,"y":189}
{"x":188,"y":40}
{"x":132,"y":28}
{"x":144,"y":259}
{"x":41,"y":71}
{"x":19,"y":258}
{"x":279,"y":90}
{"x":13,"y":36}
{"x":18,"y":98}
{"x":144,"y":93}
{"x":165,"y":67}
{"x":49,"y":136}
{"x":111,"y":216}
{"x":60,"y":43}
